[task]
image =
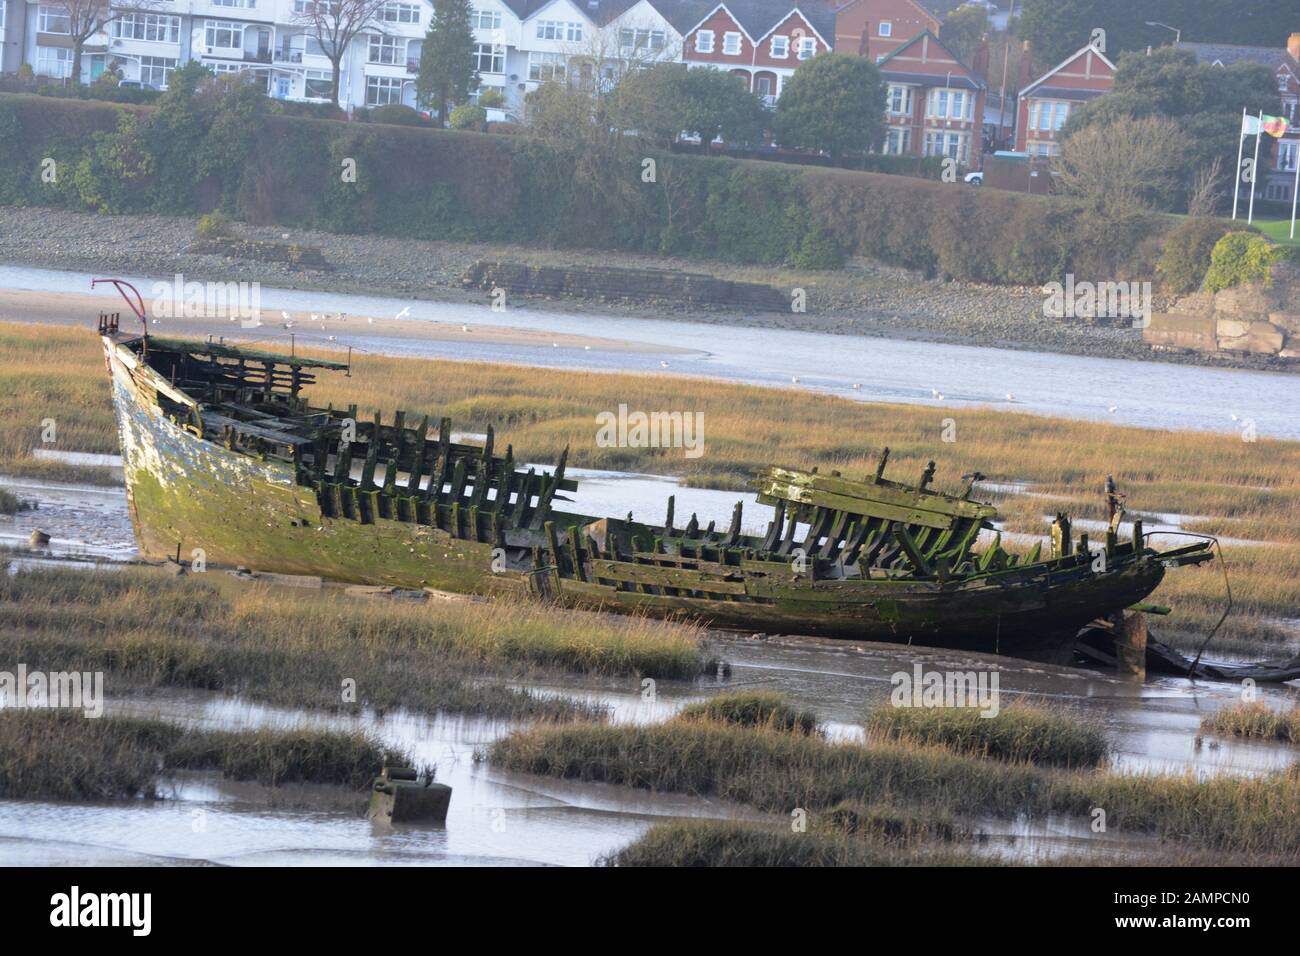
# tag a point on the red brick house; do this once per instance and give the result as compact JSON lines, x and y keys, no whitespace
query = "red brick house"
{"x":1045,"y":103}
{"x":760,"y":42}
{"x":934,"y":103}
{"x":877,"y":28}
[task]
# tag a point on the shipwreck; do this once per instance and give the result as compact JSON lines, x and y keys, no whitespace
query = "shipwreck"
{"x":224,"y":453}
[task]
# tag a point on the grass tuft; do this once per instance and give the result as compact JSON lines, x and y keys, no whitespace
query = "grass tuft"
{"x":1255,"y":719}
{"x":1018,"y":733}
{"x":752,"y":709}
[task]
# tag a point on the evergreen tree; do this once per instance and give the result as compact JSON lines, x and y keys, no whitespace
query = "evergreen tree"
{"x":447,"y":74}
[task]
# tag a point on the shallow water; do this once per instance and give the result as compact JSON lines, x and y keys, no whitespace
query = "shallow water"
{"x":1148,"y":394}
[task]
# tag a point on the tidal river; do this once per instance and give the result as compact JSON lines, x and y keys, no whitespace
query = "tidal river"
{"x":1147,"y":394}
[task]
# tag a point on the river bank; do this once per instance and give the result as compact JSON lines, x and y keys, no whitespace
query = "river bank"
{"x":863,"y":299}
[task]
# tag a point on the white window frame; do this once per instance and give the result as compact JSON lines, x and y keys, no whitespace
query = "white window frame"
{"x":1288,"y":154}
{"x":399,"y":13}
{"x":903,"y":94}
{"x":388,"y":85}
{"x":545,"y":67}
{"x":156,"y":71}
{"x":212,"y":29}
{"x":385,"y":50}
{"x":886,"y":29}
{"x":316,"y":76}
{"x":46,"y":17}
{"x":147,"y":27}
{"x":495,"y":56}
{"x":807,"y":48}
{"x":61,"y":56}
{"x":487,"y":19}
{"x":704,"y":41}
{"x":731,"y":45}
{"x":785,"y":47}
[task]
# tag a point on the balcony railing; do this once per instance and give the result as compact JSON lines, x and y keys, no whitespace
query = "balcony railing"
{"x":288,"y":56}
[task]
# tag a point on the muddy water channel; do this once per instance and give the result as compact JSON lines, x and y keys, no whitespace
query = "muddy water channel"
{"x":499,"y":818}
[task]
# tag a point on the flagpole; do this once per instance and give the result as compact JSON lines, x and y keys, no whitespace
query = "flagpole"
{"x":1254,"y":170}
{"x":1241,"y":145}
{"x":1295,"y":190}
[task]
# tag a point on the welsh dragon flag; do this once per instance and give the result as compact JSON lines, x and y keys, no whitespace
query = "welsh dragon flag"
{"x":1275,"y":126}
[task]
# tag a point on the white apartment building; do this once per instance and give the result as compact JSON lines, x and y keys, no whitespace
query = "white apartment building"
{"x":520,"y":44}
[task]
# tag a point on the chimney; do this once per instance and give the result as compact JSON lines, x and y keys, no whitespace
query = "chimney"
{"x":1293,"y":46}
{"x":980,"y":63}
{"x":1026,"y":75}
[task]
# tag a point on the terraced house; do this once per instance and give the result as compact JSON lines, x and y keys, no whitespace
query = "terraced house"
{"x":934,"y":103}
{"x":1046,"y":102}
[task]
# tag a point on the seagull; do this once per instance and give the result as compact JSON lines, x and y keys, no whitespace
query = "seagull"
{"x":284,"y":235}
{"x":1234,"y":416}
{"x":314,"y":317}
{"x":370,"y":321}
{"x":284,"y":314}
{"x":464,"y":328}
{"x":939,"y":396}
{"x":934,"y":393}
{"x":1113,"y":409}
{"x":555,"y":345}
{"x":857,"y":384}
{"x":587,"y":348}
{"x":404,"y":313}
{"x":1010,"y":397}
{"x":331,"y":338}
{"x":794,"y":379}
{"x":663,"y":364}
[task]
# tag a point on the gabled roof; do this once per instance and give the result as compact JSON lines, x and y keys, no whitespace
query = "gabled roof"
{"x":1066,"y":62}
{"x":897,"y":71}
{"x":758,"y":18}
{"x":1228,"y":54}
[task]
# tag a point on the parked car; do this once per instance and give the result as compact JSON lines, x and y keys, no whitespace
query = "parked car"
{"x":975,"y":179}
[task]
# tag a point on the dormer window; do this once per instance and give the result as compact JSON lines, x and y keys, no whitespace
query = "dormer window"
{"x":780,"y":47}
{"x":704,"y":41}
{"x":731,"y":44}
{"x":886,"y":28}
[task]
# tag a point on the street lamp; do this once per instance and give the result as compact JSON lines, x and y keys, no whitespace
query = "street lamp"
{"x":1178,"y":34}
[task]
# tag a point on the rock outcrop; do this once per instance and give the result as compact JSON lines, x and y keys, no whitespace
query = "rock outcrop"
{"x":1256,"y":319}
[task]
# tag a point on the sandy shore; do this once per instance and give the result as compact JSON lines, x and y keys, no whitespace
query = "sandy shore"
{"x":80,"y":309}
{"x":864,"y":298}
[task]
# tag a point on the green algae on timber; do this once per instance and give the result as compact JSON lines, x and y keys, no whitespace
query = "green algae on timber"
{"x":144,"y":628}
{"x":1019,"y":732}
{"x":780,"y":772}
{"x":224,"y":454}
{"x":61,"y":755}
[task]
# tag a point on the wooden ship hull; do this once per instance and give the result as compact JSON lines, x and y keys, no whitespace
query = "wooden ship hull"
{"x":226,"y":461}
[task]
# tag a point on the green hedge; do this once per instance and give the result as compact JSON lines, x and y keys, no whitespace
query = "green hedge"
{"x":447,"y":184}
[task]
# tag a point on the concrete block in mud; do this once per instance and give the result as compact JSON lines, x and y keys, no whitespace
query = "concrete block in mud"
{"x":399,"y":796}
{"x":1182,"y":331}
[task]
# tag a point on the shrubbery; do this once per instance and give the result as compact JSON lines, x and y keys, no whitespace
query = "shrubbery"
{"x":208,"y":147}
{"x":1241,"y":257}
{"x":1186,"y":256}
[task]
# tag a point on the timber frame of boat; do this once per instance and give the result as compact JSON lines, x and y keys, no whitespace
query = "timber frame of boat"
{"x":299,"y":489}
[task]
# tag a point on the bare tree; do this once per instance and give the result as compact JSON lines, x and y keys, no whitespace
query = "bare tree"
{"x":88,"y":17}
{"x":1126,"y":166}
{"x":334,"y":24}
{"x":1206,"y":193}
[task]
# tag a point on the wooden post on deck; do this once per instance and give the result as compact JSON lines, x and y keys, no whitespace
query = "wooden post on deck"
{"x":1131,"y":644}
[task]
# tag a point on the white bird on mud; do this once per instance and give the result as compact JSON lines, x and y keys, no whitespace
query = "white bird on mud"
{"x":1113,"y":409}
{"x":794,"y":379}
{"x":857,"y":384}
{"x":404,"y":313}
{"x":1010,"y":397}
{"x":934,"y":393}
{"x":1233,"y":416}
{"x":331,"y":338}
{"x":555,"y":345}
{"x":586,"y":348}
{"x":464,"y":328}
{"x":284,"y":314}
{"x":663,"y":364}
